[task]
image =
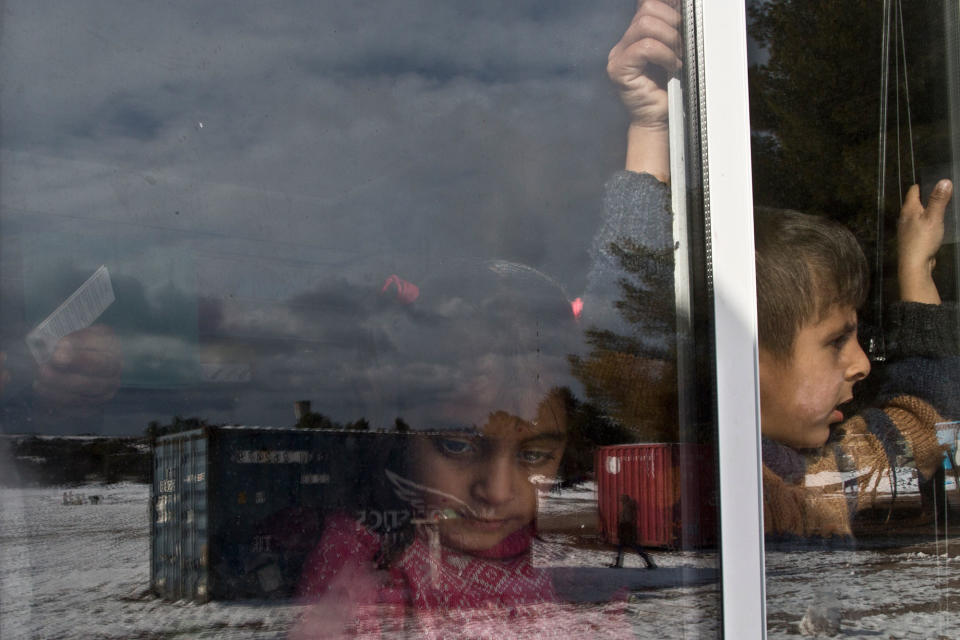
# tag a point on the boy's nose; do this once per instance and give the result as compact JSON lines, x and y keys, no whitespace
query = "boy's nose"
{"x":859,"y":367}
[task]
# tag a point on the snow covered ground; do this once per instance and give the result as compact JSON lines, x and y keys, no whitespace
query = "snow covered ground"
{"x":81,"y":571}
{"x":906,"y":480}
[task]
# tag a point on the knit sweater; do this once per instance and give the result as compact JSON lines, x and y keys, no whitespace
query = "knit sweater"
{"x":818,"y":492}
{"x":431,"y":591}
{"x":814,"y":492}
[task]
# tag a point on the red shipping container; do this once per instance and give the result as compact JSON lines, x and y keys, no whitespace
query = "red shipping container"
{"x":674,"y":486}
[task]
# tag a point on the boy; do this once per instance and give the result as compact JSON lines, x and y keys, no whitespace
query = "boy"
{"x":811,"y":278}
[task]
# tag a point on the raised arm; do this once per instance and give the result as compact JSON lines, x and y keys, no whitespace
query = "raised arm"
{"x":640,"y":65}
{"x":918,"y":385}
{"x":629,"y":298}
{"x":918,"y":325}
{"x":919,"y":236}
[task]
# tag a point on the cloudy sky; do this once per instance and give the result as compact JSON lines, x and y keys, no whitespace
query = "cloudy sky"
{"x":244,"y":169}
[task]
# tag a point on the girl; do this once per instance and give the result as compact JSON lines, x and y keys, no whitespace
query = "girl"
{"x":475,"y":359}
{"x":473,"y":362}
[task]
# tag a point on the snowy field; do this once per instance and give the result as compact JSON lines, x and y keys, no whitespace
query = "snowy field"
{"x":81,"y":571}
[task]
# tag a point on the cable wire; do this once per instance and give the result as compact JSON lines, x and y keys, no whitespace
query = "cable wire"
{"x":906,"y":94}
{"x":876,"y":346}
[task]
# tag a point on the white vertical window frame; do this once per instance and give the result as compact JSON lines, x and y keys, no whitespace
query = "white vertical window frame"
{"x":683,"y":294}
{"x":729,"y":206}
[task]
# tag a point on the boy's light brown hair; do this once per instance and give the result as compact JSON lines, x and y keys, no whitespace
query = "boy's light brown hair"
{"x":805,"y":266}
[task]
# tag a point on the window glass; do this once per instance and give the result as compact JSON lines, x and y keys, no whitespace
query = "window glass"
{"x":852,"y":103}
{"x":345,"y":316}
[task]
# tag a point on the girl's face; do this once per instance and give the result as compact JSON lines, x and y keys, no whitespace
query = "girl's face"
{"x":490,"y":479}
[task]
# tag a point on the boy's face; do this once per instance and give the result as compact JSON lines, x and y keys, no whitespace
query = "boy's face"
{"x":490,"y":479}
{"x":799,"y":395}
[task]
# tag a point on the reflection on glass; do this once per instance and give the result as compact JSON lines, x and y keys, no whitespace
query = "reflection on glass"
{"x":385,"y":216}
{"x":857,"y":313}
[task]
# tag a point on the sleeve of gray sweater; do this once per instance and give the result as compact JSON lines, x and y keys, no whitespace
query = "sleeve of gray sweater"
{"x":922,"y":330}
{"x":923,"y":344}
{"x":632,"y":248}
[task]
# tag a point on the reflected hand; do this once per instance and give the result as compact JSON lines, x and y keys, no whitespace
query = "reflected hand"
{"x":919,"y":236}
{"x":84,"y":370}
{"x":641,"y":63}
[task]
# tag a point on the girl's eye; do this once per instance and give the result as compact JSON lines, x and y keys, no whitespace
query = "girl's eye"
{"x":535,"y":456}
{"x":455,"y":448}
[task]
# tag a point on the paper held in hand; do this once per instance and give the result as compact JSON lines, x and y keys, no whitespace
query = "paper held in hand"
{"x":77,"y":312}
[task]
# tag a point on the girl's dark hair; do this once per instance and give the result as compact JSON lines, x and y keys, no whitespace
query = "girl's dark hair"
{"x":805,"y":266}
{"x":478,"y":336}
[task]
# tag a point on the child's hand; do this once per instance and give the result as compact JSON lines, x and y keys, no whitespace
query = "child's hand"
{"x":84,"y":370}
{"x":919,"y":236}
{"x":647,"y":54}
{"x":640,"y":65}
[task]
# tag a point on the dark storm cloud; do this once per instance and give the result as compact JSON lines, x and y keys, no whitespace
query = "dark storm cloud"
{"x":282,"y":160}
{"x":121,"y":117}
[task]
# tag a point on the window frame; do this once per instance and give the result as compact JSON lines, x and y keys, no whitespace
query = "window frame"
{"x":728,"y":204}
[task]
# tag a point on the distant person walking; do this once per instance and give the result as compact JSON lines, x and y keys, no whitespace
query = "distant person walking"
{"x":627,"y":532}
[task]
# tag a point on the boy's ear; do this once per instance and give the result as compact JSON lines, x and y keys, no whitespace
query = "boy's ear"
{"x":767,"y":358}
{"x":768,"y":364}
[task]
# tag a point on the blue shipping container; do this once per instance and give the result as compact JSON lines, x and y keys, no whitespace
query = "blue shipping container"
{"x":236,"y":510}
